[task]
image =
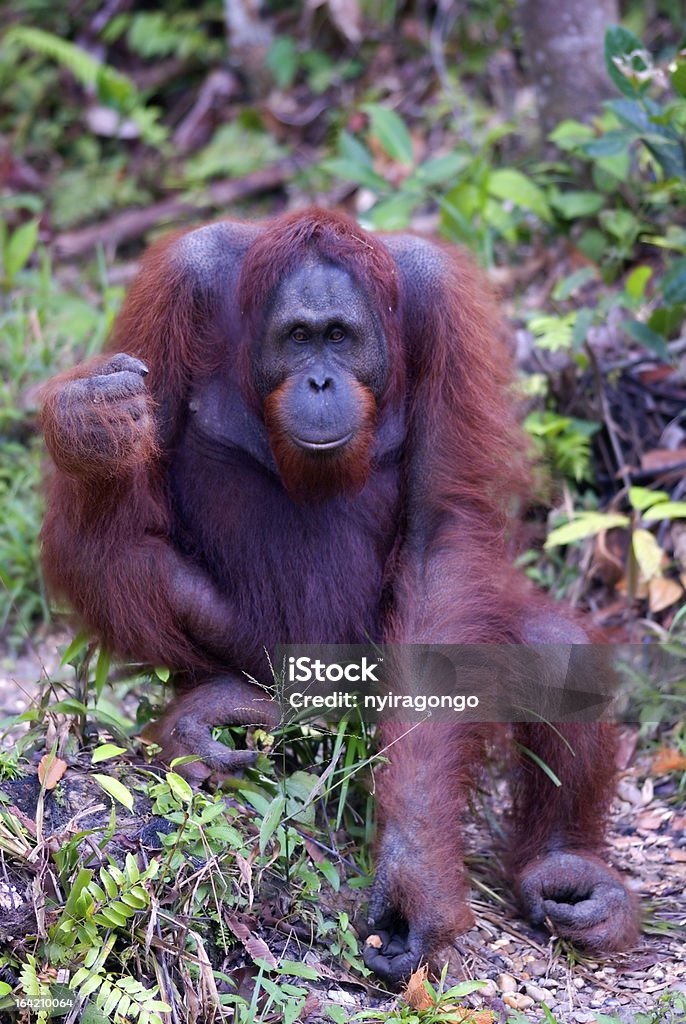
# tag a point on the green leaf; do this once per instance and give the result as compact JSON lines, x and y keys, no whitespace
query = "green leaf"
{"x":647,"y":552}
{"x":111,"y":917}
{"x":113,"y":90}
{"x":75,"y":648}
{"x":117,"y":874}
{"x":577,"y":203}
{"x":19,"y":248}
{"x":132,"y":870}
{"x":121,"y":908}
{"x":619,"y":43}
{"x":569,"y":135}
{"x":352,"y":149}
{"x":674,"y":237}
{"x":647,"y":337}
{"x":572,"y":282}
{"x":106,"y":751}
{"x":179,"y":787}
{"x":176,"y":762}
{"x":679,"y":78}
{"x":442,"y":169}
{"x":271,"y":820}
{"x":623,"y":224}
{"x":109,"y":884}
{"x":69,"y":706}
{"x":586,"y":524}
{"x":673,"y":283}
{"x":465,"y":988}
{"x":541,"y":764}
{"x":667,"y":320}
{"x":612,"y":143}
{"x":593,"y":244}
{"x":360,"y":173}
{"x":643,"y":497}
{"x":116,"y":790}
{"x":98,"y":894}
{"x":512,"y":185}
{"x":393,"y":214}
{"x":330,"y":874}
{"x":340,"y":1016}
{"x":102,"y":670}
{"x":298,"y":970}
{"x":666,"y":510}
{"x":81,"y":882}
{"x":636,"y":282}
{"x":553,"y":332}
{"x":90,"y":985}
{"x":663,"y":142}
{"x":389,"y":129}
{"x":634,"y":114}
{"x":134,"y":901}
{"x":582,"y":324}
{"x":609,"y":170}
{"x":282,"y":61}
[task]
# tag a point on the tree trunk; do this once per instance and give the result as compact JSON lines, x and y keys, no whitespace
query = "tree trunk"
{"x":563,"y":45}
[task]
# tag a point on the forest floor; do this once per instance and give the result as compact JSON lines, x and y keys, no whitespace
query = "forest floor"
{"x":523,"y":968}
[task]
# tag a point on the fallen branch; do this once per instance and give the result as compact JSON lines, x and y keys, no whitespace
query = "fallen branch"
{"x":133,"y":224}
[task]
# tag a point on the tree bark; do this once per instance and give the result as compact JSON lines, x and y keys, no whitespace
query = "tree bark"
{"x":563,"y":46}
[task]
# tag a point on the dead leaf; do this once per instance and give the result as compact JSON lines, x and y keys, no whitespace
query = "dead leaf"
{"x":660,"y":459}
{"x":311,"y":1006}
{"x":668,"y":760}
{"x":28,"y":823}
{"x":315,"y":853}
{"x":651,"y":821}
{"x":245,"y":869}
{"x":346,"y":16}
{"x":663,"y":593}
{"x":208,"y":986}
{"x":640,"y":592}
{"x":418,"y":998}
{"x":609,"y":555}
{"x":256,"y":947}
{"x":415,"y":994}
{"x":50,"y":770}
{"x":374,"y":941}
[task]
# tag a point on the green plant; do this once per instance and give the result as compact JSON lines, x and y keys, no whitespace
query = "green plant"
{"x":16,"y":248}
{"x":564,"y":441}
{"x":236,"y":149}
{"x":636,"y":159}
{"x":43,"y":325}
{"x":430,"y":1004}
{"x":646,"y":556}
{"x":289,"y":60}
{"x":112,"y":88}
{"x":478,"y":202}
{"x":182,"y":33}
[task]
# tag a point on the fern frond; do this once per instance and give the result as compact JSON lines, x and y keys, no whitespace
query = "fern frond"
{"x":112,"y":87}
